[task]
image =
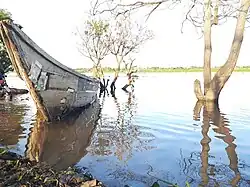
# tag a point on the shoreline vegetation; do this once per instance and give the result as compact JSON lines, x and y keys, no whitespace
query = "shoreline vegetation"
{"x":19,"y":171}
{"x":16,"y":170}
{"x":164,"y":70}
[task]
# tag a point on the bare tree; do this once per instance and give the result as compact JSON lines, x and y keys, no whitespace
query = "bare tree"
{"x":213,"y":86}
{"x":95,"y":43}
{"x":130,"y":68}
{"x":203,"y":14}
{"x":126,"y":38}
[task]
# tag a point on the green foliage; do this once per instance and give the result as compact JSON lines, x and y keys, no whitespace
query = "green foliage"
{"x":94,"y":40}
{"x":95,"y":43}
{"x":4,"y":14}
{"x":165,"y":70}
{"x":97,"y":27}
{"x":5,"y":63}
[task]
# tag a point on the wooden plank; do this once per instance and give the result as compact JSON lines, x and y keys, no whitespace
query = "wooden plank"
{"x":17,"y":61}
{"x":42,"y":82}
{"x":35,"y":71}
{"x":62,"y":82}
{"x":40,"y":51}
{"x":12,"y":59}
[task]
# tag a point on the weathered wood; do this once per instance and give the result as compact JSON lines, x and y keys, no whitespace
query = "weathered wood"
{"x":11,"y":56}
{"x":197,"y":90}
{"x":62,"y":82}
{"x":15,"y":91}
{"x":23,"y":73}
{"x":44,"y":75}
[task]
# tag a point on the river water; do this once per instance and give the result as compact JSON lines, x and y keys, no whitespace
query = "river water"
{"x":154,"y":133}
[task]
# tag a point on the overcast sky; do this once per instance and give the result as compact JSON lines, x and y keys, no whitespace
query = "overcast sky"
{"x":51,"y":23}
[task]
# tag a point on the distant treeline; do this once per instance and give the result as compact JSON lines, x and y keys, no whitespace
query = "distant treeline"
{"x":162,"y":69}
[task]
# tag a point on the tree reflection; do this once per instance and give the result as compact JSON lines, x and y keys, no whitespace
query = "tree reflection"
{"x":124,"y":142}
{"x":212,"y":114}
{"x":119,"y":136}
{"x":63,"y":144}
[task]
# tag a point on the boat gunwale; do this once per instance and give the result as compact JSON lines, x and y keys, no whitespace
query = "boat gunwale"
{"x":43,"y":53}
{"x":16,"y":62}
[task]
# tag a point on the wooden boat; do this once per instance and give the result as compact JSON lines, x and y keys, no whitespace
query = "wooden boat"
{"x":63,"y":144}
{"x":55,"y":88}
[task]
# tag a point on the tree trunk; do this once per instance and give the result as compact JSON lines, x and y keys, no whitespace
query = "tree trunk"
{"x":216,"y":13}
{"x":112,"y":85}
{"x":130,"y":80}
{"x":223,"y":74}
{"x":207,"y":46}
{"x":95,"y":71}
{"x":197,"y":90}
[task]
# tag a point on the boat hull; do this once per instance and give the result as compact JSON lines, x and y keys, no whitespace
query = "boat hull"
{"x":55,"y":88}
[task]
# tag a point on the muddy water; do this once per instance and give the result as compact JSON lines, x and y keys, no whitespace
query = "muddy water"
{"x":157,"y":133}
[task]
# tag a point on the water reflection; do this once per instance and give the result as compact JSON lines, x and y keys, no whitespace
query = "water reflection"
{"x":134,"y":122}
{"x":64,"y":143}
{"x":12,"y":116}
{"x":220,"y":125}
{"x":119,"y":136}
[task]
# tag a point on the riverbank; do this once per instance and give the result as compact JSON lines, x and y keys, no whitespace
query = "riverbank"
{"x":165,"y":70}
{"x":18,"y":171}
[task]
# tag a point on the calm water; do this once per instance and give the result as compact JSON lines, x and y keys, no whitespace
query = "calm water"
{"x":153,"y":134}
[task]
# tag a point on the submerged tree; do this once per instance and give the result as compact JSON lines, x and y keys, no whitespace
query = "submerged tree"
{"x":126,"y":38}
{"x":130,"y":68}
{"x":119,"y":36}
{"x":205,"y":14}
{"x":213,"y":86}
{"x":5,"y":63}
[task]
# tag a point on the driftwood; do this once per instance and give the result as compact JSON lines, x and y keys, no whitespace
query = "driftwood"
{"x":14,"y":91}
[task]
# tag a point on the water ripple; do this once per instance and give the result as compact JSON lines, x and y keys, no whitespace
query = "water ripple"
{"x":156,"y":133}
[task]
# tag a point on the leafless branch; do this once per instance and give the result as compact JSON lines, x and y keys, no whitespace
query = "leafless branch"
{"x":127,"y":36}
{"x":227,"y":9}
{"x":94,"y":40}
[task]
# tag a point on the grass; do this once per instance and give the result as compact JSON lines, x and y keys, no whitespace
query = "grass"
{"x":166,"y":70}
